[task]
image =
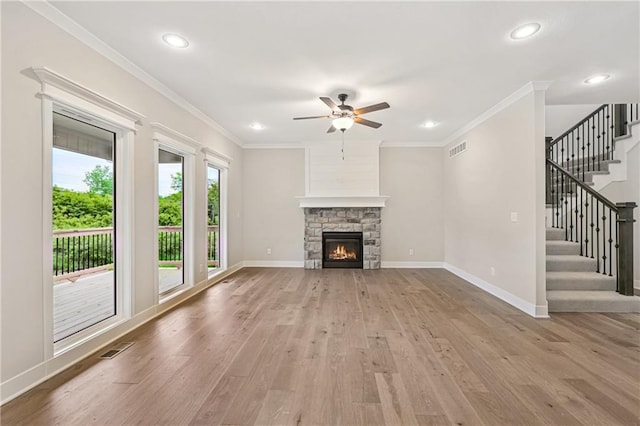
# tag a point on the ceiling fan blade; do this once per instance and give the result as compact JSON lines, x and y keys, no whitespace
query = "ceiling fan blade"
{"x":371,"y":108}
{"x":331,"y":129}
{"x":369,"y":123}
{"x":307,"y":118}
{"x":330,"y":103}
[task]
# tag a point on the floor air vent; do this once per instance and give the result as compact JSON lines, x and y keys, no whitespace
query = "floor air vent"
{"x":116,"y":350}
{"x":458,"y":149}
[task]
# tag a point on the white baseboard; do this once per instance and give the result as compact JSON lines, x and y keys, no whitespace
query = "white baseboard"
{"x":416,"y":265}
{"x":273,"y":264}
{"x":536,"y":311}
{"x":43,"y":371}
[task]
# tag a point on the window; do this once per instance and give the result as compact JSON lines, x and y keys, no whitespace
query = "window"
{"x":87,"y":223}
{"x":216,"y":184}
{"x":213,"y":219}
{"x":170,"y":221}
{"x":175,"y":170}
{"x":84,"y":278}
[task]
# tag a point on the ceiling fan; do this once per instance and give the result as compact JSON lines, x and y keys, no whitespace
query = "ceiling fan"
{"x":345,"y":115}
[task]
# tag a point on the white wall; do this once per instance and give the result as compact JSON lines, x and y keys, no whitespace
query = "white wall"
{"x":501,"y":172}
{"x":412,"y":177}
{"x":30,"y":40}
{"x":272,"y":219}
{"x":413,"y":217}
{"x":560,"y":118}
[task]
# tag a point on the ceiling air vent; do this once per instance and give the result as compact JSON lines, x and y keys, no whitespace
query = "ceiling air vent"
{"x":458,"y":149}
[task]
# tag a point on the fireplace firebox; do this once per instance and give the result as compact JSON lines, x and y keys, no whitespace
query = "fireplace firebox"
{"x":342,"y":250}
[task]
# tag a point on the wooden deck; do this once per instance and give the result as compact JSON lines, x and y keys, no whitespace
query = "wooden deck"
{"x":91,"y":299}
{"x":352,"y":347}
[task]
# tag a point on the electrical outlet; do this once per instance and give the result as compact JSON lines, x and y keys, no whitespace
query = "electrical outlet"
{"x":201,"y":267}
{"x":493,"y":271}
{"x":269,"y":250}
{"x":410,"y":252}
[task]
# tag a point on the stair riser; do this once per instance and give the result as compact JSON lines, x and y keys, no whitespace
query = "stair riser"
{"x":573,"y":265}
{"x":563,"y":249}
{"x":592,"y":306}
{"x":581,"y":284}
{"x":555,"y":234}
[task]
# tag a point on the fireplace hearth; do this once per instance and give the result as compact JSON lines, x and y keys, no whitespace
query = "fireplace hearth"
{"x":342,"y":250}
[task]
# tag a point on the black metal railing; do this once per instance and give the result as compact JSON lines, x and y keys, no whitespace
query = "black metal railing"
{"x":82,"y":251}
{"x":588,"y":146}
{"x":77,"y":250}
{"x":603,"y":230}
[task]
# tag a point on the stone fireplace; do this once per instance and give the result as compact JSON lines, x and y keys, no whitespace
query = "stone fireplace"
{"x":342,"y":220}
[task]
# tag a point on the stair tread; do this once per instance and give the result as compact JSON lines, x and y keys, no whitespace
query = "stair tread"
{"x":569,"y":257}
{"x":562,"y":243}
{"x":578,"y":275}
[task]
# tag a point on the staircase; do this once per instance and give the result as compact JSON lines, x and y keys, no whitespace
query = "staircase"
{"x":589,"y":243}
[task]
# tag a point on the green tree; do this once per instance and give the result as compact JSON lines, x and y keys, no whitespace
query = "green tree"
{"x":176,"y":182}
{"x":77,"y":210}
{"x":99,"y":180}
{"x":213,"y":203}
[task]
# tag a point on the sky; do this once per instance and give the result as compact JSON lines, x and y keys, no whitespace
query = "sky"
{"x":69,"y":169}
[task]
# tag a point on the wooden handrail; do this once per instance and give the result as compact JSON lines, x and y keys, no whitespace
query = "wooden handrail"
{"x":581,"y":184}
{"x":580,"y":123}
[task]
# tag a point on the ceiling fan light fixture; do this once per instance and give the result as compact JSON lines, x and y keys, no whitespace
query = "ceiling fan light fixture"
{"x":175,"y":40}
{"x":342,"y":123}
{"x":525,"y":31}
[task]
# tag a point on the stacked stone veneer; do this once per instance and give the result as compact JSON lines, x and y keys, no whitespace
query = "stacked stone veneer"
{"x":342,"y":219}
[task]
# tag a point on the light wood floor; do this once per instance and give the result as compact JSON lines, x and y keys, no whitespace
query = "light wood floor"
{"x":288,"y":346}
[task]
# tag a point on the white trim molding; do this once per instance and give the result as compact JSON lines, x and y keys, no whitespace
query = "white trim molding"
{"x":50,"y":12}
{"x":163,"y":133}
{"x":536,"y":311}
{"x":411,"y":265}
{"x":506,"y":102}
{"x":66,"y":91}
{"x":346,"y":201}
{"x":216,"y":158}
{"x":273,"y":264}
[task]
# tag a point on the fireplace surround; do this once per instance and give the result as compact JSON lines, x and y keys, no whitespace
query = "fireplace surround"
{"x":319,"y":220}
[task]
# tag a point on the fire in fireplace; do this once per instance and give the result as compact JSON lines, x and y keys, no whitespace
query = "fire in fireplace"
{"x":342,"y":250}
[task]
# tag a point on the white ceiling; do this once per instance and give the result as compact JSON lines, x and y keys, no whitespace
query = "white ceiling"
{"x":442,"y":61}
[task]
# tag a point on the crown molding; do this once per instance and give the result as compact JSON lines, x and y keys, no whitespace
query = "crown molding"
{"x":506,"y":102}
{"x":411,"y":144}
{"x":67,"y":24}
{"x":291,"y":145}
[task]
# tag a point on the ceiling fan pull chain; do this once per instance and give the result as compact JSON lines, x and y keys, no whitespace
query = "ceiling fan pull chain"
{"x":343,"y":145}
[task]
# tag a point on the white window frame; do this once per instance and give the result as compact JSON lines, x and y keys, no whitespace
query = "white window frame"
{"x":169,"y":140}
{"x":222,"y":163}
{"x":61,"y":94}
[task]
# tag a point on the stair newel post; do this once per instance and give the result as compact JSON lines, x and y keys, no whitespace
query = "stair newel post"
{"x":625,"y":247}
{"x":547,"y":145}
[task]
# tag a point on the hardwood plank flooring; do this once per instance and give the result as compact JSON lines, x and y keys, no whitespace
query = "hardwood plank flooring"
{"x":353,"y":347}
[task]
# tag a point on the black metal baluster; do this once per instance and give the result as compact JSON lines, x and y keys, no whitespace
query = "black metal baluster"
{"x":581,"y":237}
{"x":610,"y":242}
{"x":610,"y":127}
{"x":604,"y":241}
{"x":586,"y":225}
{"x":617,"y":256}
{"x":598,"y":236}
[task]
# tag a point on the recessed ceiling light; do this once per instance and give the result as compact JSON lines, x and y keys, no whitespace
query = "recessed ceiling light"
{"x":430,"y":124}
{"x":174,"y":40}
{"x":598,"y":78}
{"x":525,"y":31}
{"x":257,"y":126}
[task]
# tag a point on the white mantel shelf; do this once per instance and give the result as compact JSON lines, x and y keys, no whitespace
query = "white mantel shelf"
{"x":342,"y":201}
